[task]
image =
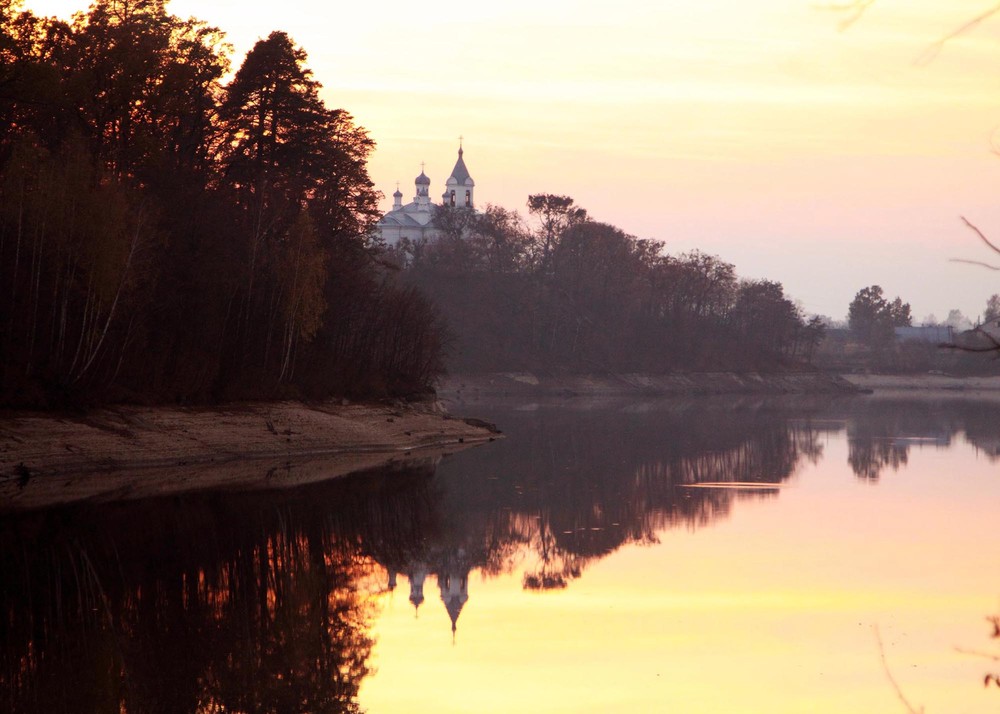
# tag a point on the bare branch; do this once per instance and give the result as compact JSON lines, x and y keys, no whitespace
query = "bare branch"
{"x":994,"y":347}
{"x":974,"y":262}
{"x":931,"y":52}
{"x":976,"y":653}
{"x":888,"y":674}
{"x":856,"y":8}
{"x":979,"y":233}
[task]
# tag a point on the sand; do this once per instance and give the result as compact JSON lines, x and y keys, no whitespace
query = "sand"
{"x":923,"y":382}
{"x":138,"y":452}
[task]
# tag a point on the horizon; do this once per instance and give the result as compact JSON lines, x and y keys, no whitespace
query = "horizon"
{"x":826,"y":160}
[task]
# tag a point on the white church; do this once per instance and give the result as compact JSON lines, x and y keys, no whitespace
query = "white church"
{"x":415,"y":220}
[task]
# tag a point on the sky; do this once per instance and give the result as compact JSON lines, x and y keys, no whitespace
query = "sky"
{"x":823,"y":157}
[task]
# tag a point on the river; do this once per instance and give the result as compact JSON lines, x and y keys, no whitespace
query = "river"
{"x":710,"y":555}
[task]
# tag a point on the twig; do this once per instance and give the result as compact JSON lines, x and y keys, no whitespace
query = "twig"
{"x":987,"y":655}
{"x":888,"y":674}
{"x":857,"y":7}
{"x":971,"y":226}
{"x":979,"y":233}
{"x":980,"y":263}
{"x":931,"y":52}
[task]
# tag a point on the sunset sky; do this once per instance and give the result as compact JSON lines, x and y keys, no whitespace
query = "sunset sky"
{"x":759,"y":131}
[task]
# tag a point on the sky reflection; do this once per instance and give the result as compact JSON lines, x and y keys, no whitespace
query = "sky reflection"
{"x":574,"y":566}
{"x":774,"y":607}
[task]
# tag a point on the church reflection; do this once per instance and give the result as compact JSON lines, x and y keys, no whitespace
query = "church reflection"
{"x":264,"y":601}
{"x":451,"y":573}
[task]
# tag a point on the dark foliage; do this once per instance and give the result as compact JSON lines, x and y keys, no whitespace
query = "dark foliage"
{"x":583,"y":296}
{"x":164,"y":237}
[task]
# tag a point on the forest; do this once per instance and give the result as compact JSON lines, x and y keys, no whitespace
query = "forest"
{"x":167,"y":237}
{"x":172,"y":231}
{"x":566,"y":292}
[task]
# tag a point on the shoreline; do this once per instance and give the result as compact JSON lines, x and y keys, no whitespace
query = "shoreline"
{"x":129,"y":452}
{"x":922,"y":383}
{"x":465,"y":388}
{"x":136,"y":452}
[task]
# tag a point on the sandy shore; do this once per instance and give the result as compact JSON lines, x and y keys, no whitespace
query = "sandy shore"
{"x":923,"y":382}
{"x":136,"y":452}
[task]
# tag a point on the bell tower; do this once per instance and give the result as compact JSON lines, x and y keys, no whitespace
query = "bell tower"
{"x":460,"y":188}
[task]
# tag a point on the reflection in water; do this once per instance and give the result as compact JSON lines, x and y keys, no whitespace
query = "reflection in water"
{"x":264,"y":602}
{"x":219,"y":603}
{"x":881,"y":433}
{"x":581,"y":483}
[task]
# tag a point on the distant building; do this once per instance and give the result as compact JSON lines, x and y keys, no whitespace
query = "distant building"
{"x":991,"y":328}
{"x":928,"y":334}
{"x":415,"y":220}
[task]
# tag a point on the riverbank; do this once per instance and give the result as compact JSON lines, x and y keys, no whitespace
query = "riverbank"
{"x":923,"y":383}
{"x":465,"y":388}
{"x":137,"y":452}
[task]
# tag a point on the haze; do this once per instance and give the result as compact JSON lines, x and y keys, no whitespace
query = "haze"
{"x":823,"y":159}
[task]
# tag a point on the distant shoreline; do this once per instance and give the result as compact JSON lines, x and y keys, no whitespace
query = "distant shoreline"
{"x":462,"y":388}
{"x":923,"y":383}
{"x":136,"y":452}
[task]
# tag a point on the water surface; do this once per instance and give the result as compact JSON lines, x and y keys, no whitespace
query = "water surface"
{"x":702,"y":556}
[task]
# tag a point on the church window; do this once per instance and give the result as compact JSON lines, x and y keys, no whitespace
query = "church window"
{"x":468,"y":199}
{"x":453,"y":198}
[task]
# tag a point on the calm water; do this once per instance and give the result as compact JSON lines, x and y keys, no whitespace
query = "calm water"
{"x":707,"y":556}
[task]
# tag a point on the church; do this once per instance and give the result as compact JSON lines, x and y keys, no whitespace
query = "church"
{"x":415,"y":220}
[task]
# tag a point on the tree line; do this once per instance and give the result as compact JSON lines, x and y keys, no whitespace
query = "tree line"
{"x":171,"y":230}
{"x":579,"y":295}
{"x":871,"y":339}
{"x":168,"y":236}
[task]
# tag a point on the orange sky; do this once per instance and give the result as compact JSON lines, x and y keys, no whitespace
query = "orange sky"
{"x":757,"y":131}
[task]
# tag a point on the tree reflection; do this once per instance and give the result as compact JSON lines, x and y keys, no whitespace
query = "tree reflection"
{"x":881,"y":433}
{"x":582,"y":483}
{"x":263,"y":602}
{"x":210,"y":604}
{"x":869,"y":454}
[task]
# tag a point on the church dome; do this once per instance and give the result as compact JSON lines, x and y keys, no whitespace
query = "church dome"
{"x":397,"y":194}
{"x":422,"y":180}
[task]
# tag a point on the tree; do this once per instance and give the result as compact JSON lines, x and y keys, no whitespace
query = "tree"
{"x":501,"y":239}
{"x":301,"y":271}
{"x":556,"y":214}
{"x":285,"y":153}
{"x":812,"y":336}
{"x":872,"y":318}
{"x":992,"y":311}
{"x":163,"y":237}
{"x":765,"y":320}
{"x":144,"y":86}
{"x":283,"y":148}
{"x":274,"y":127}
{"x":956,"y":320}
